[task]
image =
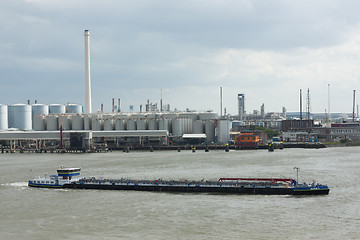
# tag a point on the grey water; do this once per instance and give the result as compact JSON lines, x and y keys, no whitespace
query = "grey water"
{"x":31,"y":213}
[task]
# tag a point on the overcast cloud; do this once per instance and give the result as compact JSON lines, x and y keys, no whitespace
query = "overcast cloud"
{"x":267,"y":50}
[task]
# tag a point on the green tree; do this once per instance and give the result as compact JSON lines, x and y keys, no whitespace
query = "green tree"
{"x":268,"y":131}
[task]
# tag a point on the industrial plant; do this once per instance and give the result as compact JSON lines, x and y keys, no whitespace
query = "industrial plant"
{"x":74,"y":127}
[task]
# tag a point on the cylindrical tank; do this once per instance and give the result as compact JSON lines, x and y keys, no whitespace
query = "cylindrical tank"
{"x":19,"y":116}
{"x":141,"y":124}
{"x":38,"y":109}
{"x":57,"y":108}
{"x":3,"y":117}
{"x":109,"y":124}
{"x":177,"y":127}
{"x":87,"y":122}
{"x":164,"y":124}
{"x":188,"y":125}
{"x":120,"y":124}
{"x":198,"y":127}
{"x":131,"y":124}
{"x":77,"y":122}
{"x":52,"y":122}
{"x":65,"y":121}
{"x":41,"y":109}
{"x":208,"y":116}
{"x":223,"y":131}
{"x":210,"y":130}
{"x":74,"y":108}
{"x":97,"y":124}
{"x":153,"y":124}
{"x":39,"y":123}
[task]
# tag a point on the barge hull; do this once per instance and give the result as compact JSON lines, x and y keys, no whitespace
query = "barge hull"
{"x":198,"y":189}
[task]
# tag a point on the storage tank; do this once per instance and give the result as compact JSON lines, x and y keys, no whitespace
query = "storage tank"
{"x":66,"y":122}
{"x":208,"y":116}
{"x":223,"y":131}
{"x":87,"y":122}
{"x":3,"y":117}
{"x":40,"y":109}
{"x":39,"y":123}
{"x":178,"y":127}
{"x":153,"y":124}
{"x":109,"y":124}
{"x":164,"y":124}
{"x":19,"y":116}
{"x":141,"y":124}
{"x":120,"y":124}
{"x":74,"y":108}
{"x":198,"y":127}
{"x":97,"y":124}
{"x":131,"y":124}
{"x":52,"y":122}
{"x":210,"y":130}
{"x":57,"y":108}
{"x":77,"y":122}
{"x":188,"y":125}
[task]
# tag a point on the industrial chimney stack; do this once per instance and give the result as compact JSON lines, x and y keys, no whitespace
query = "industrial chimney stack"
{"x":87,"y":73}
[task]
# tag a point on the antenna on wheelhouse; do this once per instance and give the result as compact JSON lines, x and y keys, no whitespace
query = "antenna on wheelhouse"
{"x":297,"y":174}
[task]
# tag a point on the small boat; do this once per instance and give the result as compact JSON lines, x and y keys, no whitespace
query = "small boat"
{"x":69,"y":178}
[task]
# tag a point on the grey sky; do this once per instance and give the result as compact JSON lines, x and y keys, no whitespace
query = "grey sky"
{"x":265,"y":49}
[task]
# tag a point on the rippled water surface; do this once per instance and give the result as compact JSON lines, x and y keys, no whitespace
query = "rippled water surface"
{"x":30,"y":213}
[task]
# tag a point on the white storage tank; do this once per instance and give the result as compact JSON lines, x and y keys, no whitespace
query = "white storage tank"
{"x":141,"y":124}
{"x":97,"y":124}
{"x":210,"y":130}
{"x":153,"y":124}
{"x":109,"y":124}
{"x":208,"y":116}
{"x":52,"y":122}
{"x":164,"y":124}
{"x":57,"y":108}
{"x":65,"y":121}
{"x":120,"y":124}
{"x":198,"y":127}
{"x":3,"y":117}
{"x":39,"y":109}
{"x":77,"y":122}
{"x":87,"y":122}
{"x":19,"y":116}
{"x":223,"y":131}
{"x":131,"y":124}
{"x":178,"y":127}
{"x":39,"y":123}
{"x":74,"y":108}
{"x":188,"y":125}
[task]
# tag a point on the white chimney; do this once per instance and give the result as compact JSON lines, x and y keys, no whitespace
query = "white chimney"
{"x":87,"y":73}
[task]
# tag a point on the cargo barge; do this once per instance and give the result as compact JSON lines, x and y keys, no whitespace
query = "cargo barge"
{"x":69,"y":178}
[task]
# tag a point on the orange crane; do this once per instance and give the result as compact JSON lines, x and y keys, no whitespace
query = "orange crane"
{"x":61,"y":127}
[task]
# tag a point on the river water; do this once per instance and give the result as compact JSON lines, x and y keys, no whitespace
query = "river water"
{"x":30,"y":213}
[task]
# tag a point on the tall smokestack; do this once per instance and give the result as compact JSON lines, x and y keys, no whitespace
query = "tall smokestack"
{"x":87,"y":73}
{"x":221,"y":101}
